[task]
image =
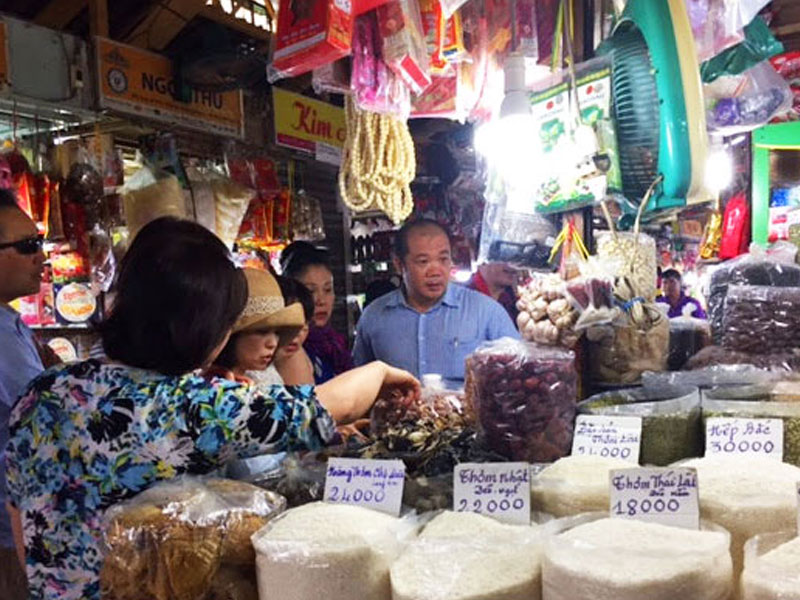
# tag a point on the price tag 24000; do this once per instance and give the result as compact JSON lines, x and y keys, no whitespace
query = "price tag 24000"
{"x":376,"y":484}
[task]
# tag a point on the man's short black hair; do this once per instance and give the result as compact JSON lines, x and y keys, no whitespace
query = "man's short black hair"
{"x":178,"y":295}
{"x":401,"y":238}
{"x":672,"y":274}
{"x":7,"y":200}
{"x":294,"y":291}
{"x":299,"y":256}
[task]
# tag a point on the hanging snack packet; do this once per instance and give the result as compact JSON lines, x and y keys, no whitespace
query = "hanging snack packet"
{"x":311,"y":33}
{"x":404,"y":48}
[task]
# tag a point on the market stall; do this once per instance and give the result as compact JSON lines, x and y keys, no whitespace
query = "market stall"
{"x":634,"y":162}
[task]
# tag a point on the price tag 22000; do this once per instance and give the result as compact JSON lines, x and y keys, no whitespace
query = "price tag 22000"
{"x":663,"y":495}
{"x":499,"y":490}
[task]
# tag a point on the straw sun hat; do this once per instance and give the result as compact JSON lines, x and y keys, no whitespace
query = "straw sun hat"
{"x":265,"y":308}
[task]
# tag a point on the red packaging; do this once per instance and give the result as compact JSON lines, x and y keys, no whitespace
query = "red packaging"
{"x":439,"y":100}
{"x":404,"y":47}
{"x":735,"y":228}
{"x":311,"y":33}
{"x":265,"y":174}
{"x":47,"y":304}
{"x":281,"y":216}
{"x":362,"y":6}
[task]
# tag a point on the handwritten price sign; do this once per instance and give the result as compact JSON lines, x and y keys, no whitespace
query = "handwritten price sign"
{"x":659,"y":495}
{"x":762,"y":437}
{"x":499,"y":490}
{"x":608,"y":437}
{"x":376,"y":484}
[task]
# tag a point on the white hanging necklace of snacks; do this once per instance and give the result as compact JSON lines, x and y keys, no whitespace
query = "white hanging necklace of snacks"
{"x":378,"y":164}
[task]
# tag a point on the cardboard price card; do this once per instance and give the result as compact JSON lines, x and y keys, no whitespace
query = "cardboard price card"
{"x":658,"y":495}
{"x":608,"y":437}
{"x":499,"y":490}
{"x":376,"y":484}
{"x":763,"y":437}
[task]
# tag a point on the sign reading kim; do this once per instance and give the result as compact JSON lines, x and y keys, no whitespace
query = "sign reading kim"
{"x":140,"y":83}
{"x":308,"y":125}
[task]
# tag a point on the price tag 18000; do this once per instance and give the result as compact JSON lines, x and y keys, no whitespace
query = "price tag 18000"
{"x":657,"y":494}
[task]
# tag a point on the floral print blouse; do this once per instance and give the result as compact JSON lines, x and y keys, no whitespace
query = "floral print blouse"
{"x":88,"y":435}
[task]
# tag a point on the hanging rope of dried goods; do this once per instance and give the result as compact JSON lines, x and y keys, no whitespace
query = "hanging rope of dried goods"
{"x":378,"y":165}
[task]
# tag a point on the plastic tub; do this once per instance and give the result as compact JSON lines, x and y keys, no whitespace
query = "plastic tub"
{"x":671,"y":419}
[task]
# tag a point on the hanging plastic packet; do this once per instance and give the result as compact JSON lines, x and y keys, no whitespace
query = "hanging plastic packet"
{"x":376,"y":88}
{"x":741,"y":103}
{"x":440,"y":100}
{"x":310,"y":34}
{"x":332,"y":78}
{"x":404,"y":48}
{"x":759,"y":44}
{"x":719,"y":24}
{"x":443,"y":36}
{"x":149,"y":195}
{"x":307,"y":222}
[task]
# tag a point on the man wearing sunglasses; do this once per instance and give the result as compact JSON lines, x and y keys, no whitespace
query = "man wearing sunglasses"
{"x":21,"y":263}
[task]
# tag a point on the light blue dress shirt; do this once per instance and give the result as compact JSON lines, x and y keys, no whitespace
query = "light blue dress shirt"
{"x":19,"y":364}
{"x":437,"y":341}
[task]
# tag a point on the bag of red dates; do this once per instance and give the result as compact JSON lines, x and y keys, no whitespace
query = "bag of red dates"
{"x":524,"y":396}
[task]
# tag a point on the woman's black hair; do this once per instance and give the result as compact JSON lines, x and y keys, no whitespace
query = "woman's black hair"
{"x":178,"y":295}
{"x":294,"y":291}
{"x":299,"y":256}
{"x":227,"y":357}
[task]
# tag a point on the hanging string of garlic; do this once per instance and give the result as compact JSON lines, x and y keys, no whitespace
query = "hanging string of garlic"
{"x":378,"y":164}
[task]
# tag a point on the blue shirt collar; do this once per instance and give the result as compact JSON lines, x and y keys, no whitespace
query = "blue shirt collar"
{"x":451,"y":298}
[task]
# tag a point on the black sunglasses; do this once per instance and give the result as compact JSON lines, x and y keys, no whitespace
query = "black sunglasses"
{"x":30,"y":245}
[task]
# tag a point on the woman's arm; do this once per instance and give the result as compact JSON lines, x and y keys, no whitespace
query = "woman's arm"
{"x":297,"y":369}
{"x":350,"y":395}
{"x":16,"y":529}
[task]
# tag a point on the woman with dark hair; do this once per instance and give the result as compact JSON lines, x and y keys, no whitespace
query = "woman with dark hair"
{"x":88,"y":435}
{"x":326,"y":347}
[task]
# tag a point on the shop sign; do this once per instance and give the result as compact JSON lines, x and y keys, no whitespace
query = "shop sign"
{"x":760,"y":437}
{"x":664,"y":495}
{"x":140,"y":83}
{"x":375,"y":484}
{"x":498,"y":490}
{"x":309,"y":126}
{"x":608,"y":437}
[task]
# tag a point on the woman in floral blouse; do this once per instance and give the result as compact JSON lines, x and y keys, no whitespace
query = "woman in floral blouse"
{"x":88,"y":435}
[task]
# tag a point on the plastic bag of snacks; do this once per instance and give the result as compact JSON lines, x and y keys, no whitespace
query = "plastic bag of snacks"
{"x":759,"y":44}
{"x":404,"y":48}
{"x":342,"y":549}
{"x":621,"y":352}
{"x":306,"y":215}
{"x":755,"y":268}
{"x":545,"y":314}
{"x":632,"y":256}
{"x":741,"y":103}
{"x":762,"y":318}
{"x":470,"y":557}
{"x":598,"y":558}
{"x":375,"y":87}
{"x":719,"y":24}
{"x":513,"y":232}
{"x":524,"y":398}
{"x":310,"y":34}
{"x":184,"y":538}
{"x":436,"y":409}
{"x":772,"y":567}
{"x":148,"y":196}
{"x":687,"y":336}
{"x":788,"y":66}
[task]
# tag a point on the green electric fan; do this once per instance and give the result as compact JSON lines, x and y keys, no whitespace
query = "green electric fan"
{"x":658,"y":104}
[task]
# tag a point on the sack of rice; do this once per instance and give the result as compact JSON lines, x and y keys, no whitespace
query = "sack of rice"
{"x":466,"y":556}
{"x":331,"y":551}
{"x":747,"y":496}
{"x":574,"y":485}
{"x":597,"y":558}
{"x":772,"y":567}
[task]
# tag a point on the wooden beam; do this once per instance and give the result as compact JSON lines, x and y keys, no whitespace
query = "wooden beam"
{"x":163,"y":23}
{"x":57,"y":14}
{"x":98,"y":18}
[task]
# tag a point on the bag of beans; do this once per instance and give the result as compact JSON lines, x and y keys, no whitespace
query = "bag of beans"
{"x":524,"y":398}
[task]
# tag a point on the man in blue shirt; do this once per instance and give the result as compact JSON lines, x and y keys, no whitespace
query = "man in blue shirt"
{"x":429,"y":325}
{"x":21,"y":263}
